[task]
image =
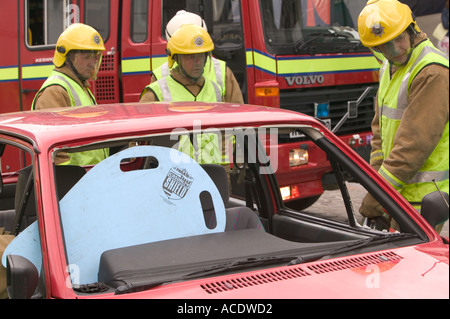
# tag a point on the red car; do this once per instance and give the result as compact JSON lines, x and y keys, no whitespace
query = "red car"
{"x":186,"y":205}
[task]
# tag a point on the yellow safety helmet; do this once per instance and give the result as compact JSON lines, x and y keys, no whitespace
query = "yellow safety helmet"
{"x":188,"y":39}
{"x":383,"y":20}
{"x":77,"y":36}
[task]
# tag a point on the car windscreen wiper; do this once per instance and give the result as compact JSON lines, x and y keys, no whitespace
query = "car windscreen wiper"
{"x":235,"y":264}
{"x":252,"y":262}
{"x":366,"y":242}
{"x":241,"y":263}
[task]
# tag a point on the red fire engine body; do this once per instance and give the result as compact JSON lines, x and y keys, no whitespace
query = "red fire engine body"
{"x":301,"y":55}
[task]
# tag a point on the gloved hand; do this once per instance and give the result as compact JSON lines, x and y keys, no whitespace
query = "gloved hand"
{"x":373,"y":211}
{"x":379,"y":223}
{"x":370,"y":207}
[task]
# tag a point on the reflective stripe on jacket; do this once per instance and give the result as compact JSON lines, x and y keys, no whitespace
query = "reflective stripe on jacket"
{"x":215,"y":70}
{"x":77,"y":95}
{"x":169,"y":90}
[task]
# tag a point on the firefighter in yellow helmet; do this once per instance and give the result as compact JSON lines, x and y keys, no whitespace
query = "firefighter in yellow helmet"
{"x":410,"y":128}
{"x":190,"y":46}
{"x":77,"y":59}
{"x":215,"y":69}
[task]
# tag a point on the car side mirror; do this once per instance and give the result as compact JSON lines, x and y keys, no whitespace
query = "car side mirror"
{"x":435,"y":208}
{"x":21,"y":277}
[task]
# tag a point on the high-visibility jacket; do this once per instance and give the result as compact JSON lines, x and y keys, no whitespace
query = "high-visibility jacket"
{"x":78,"y":97}
{"x":204,"y":148}
{"x":169,"y":90}
{"x":214,"y":69}
{"x":393,"y":97}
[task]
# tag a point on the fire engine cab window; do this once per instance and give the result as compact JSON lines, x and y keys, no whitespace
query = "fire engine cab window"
{"x":42,"y":27}
{"x":97,"y":13}
{"x":225,"y":15}
{"x":170,"y":8}
{"x":282,"y":20}
{"x":303,"y":26}
{"x":139,"y":20}
{"x":227,"y":32}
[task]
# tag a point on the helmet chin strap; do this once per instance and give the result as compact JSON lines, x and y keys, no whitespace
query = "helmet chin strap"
{"x":191,"y":78}
{"x":406,"y":61}
{"x":412,"y":35}
{"x":183,"y":71}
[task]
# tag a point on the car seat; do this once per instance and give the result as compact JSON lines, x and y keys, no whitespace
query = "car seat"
{"x":236,"y":217}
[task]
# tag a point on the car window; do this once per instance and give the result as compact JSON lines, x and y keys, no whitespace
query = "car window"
{"x":139,"y":21}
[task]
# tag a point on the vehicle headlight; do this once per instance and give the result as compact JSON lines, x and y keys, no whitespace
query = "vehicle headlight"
{"x":285,"y":192}
{"x":289,"y":192}
{"x":298,"y":156}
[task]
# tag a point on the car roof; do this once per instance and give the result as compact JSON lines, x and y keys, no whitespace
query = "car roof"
{"x":66,"y":124}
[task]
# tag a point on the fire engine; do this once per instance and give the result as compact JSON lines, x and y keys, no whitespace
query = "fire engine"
{"x":300,"y":55}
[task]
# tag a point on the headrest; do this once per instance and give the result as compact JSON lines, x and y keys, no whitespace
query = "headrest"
{"x":219,"y":176}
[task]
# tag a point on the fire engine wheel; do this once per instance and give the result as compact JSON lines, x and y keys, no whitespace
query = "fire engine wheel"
{"x":303,"y":203}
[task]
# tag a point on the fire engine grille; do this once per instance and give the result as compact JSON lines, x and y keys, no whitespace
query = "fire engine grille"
{"x":221,"y":286}
{"x":302,"y":100}
{"x":105,"y":85}
{"x":107,"y":63}
{"x":104,"y":89}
